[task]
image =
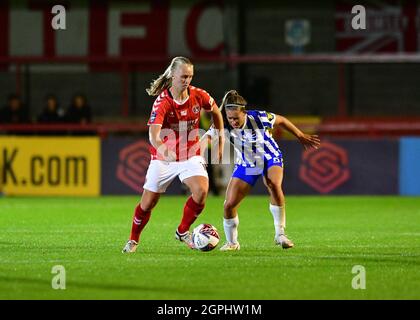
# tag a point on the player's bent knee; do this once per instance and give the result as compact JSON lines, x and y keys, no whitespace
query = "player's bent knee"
{"x":199,"y":196}
{"x":228,"y":206}
{"x":276,"y":188}
{"x":147,"y":207}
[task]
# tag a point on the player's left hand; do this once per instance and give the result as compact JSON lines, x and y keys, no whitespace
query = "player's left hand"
{"x":310,"y":141}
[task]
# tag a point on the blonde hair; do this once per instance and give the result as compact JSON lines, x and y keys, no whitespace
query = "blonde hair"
{"x":164,"y":81}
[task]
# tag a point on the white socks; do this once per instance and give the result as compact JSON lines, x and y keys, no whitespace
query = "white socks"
{"x":231,"y":229}
{"x":279,"y":216}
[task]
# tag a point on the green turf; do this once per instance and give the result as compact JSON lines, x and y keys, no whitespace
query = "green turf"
{"x":331,"y":234}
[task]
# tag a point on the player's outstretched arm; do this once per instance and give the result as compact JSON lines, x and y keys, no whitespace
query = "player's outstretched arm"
{"x":307,"y":140}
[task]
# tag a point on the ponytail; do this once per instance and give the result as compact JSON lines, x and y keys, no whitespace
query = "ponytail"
{"x":232,"y":100}
{"x":164,"y":81}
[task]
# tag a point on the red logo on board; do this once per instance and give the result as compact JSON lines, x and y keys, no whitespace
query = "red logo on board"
{"x":132,"y":167}
{"x":326,"y":168}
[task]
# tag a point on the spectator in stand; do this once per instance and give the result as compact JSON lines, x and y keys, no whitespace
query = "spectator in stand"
{"x":14,"y":112}
{"x":51,"y":111}
{"x":79,"y":112}
{"x":51,"y":114}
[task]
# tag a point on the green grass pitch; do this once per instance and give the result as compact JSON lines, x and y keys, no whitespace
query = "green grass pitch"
{"x":331,"y":235}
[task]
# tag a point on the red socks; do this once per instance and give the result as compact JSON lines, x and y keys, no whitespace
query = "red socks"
{"x":140,"y":220}
{"x":191,"y":212}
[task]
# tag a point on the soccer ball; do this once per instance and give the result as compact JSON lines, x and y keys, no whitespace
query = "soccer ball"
{"x":205,"y":237}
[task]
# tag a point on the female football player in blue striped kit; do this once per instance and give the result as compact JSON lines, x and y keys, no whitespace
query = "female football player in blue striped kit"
{"x":257,"y":153}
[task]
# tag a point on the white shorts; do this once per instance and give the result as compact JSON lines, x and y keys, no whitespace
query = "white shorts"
{"x":160,"y":173}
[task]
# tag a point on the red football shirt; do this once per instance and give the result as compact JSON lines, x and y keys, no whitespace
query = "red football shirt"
{"x":180,"y":122}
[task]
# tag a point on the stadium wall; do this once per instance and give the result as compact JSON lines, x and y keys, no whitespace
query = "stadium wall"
{"x":340,"y":166}
{"x":124,"y":163}
{"x":57,"y":166}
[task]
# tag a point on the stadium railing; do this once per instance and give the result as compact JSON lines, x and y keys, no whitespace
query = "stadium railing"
{"x":342,"y":125}
{"x":128,"y":64}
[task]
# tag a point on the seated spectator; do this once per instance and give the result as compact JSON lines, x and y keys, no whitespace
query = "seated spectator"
{"x":51,"y":114}
{"x":51,"y":111}
{"x":14,"y":112}
{"x":79,"y":111}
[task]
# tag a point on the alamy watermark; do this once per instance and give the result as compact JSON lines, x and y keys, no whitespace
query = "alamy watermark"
{"x":359,"y":280}
{"x":252,"y":147}
{"x":59,"y":279}
{"x":359,"y":20}
{"x":59,"y":20}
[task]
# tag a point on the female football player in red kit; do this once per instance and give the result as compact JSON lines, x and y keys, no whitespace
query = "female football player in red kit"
{"x":175,"y":151}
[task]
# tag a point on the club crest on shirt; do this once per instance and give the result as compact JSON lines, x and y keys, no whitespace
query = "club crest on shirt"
{"x":196,"y":108}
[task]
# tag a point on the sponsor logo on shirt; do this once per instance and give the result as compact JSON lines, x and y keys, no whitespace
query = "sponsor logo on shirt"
{"x":184,"y":125}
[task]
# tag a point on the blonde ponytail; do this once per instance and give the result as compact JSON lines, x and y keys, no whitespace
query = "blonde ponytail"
{"x":164,"y":81}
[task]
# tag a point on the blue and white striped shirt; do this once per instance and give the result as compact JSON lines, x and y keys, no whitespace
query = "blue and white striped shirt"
{"x":253,"y":143}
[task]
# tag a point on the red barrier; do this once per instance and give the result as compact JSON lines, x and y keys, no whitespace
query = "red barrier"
{"x":371,"y":127}
{"x":101,"y":129}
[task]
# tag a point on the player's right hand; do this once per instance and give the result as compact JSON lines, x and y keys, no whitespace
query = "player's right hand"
{"x":170,"y":156}
{"x":165,"y":153}
{"x":310,"y":141}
